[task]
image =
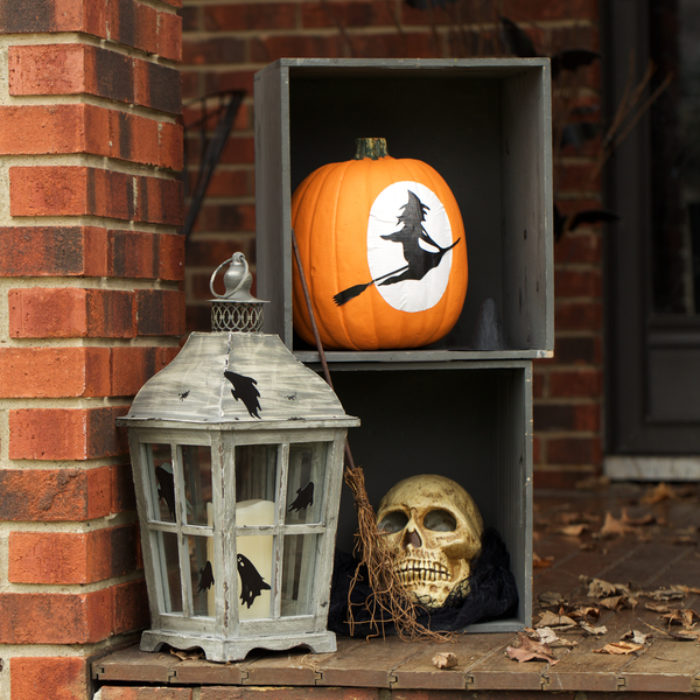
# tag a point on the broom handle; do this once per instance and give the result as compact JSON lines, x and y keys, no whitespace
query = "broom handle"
{"x":317,"y":337}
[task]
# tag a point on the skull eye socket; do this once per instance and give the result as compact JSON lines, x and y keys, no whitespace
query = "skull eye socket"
{"x":392,"y":522}
{"x":440,"y":520}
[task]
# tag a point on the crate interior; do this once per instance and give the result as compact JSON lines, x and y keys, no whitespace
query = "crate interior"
{"x":470,"y":424}
{"x":486,"y":130}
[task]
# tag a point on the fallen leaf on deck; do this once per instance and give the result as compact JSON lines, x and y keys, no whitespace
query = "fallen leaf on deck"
{"x":593,"y":482}
{"x":612,"y":602}
{"x":444,"y":659}
{"x":612,"y":527}
{"x":661,"y":492}
{"x":550,"y":619}
{"x":590,"y":629}
{"x":551,"y":599}
{"x":546,"y":635}
{"x":585,"y":611}
{"x":529,"y":650}
{"x":667,"y":593}
{"x":619,"y":648}
{"x":572,"y":530}
{"x":539,"y":562}
{"x":657,"y":607}
{"x":685,"y":617}
{"x":647,"y":519}
{"x":688,"y":589}
{"x":597,"y":588}
{"x":636,"y":637}
{"x":186,"y":655}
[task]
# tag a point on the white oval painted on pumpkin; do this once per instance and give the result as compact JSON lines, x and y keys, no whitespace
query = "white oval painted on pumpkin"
{"x":386,"y":256}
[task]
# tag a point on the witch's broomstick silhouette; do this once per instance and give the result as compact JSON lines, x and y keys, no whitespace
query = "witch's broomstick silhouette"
{"x":419,"y":261}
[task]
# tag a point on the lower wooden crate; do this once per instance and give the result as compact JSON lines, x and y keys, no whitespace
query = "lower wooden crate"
{"x":470,"y":421}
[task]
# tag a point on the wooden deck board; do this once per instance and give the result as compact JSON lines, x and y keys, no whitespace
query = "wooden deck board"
{"x":649,"y":558}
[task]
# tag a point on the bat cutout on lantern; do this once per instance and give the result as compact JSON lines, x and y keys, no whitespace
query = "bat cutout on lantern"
{"x":304,"y":499}
{"x":183,"y":395}
{"x":252,"y":583}
{"x":206,"y":578}
{"x":419,"y":260}
{"x":166,"y":488}
{"x":244,"y":389}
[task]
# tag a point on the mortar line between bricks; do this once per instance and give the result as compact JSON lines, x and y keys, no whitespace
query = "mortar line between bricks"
{"x":86,"y":39}
{"x":71,"y":589}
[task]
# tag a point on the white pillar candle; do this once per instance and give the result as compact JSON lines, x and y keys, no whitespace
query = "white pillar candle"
{"x":257,"y":549}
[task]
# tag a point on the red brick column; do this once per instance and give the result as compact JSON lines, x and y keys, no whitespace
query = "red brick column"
{"x":91,"y":305}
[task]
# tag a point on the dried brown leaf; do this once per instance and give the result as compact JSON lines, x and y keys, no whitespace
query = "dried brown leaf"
{"x":553,"y":620}
{"x":612,"y":527}
{"x":598,"y":588}
{"x":573,"y":530}
{"x":646,"y":519}
{"x":187,"y":655}
{"x":660,"y":492}
{"x":539,"y":562}
{"x":619,"y":648}
{"x":585,"y":611}
{"x":685,"y":617}
{"x":444,"y":659}
{"x":636,"y":637}
{"x":590,"y":629}
{"x":551,"y":599}
{"x":529,"y":650}
{"x":657,"y":607}
{"x":668,"y":593}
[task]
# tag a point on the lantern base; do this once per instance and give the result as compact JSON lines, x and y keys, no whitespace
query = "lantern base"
{"x":224,"y":649}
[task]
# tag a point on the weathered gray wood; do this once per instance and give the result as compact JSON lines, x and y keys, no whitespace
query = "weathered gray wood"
{"x":471,"y":422}
{"x":485,"y":126}
{"x":132,"y":665}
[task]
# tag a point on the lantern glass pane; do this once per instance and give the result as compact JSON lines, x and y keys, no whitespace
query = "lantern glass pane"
{"x":201,"y":550}
{"x":298,"y":574}
{"x":305,"y":481}
{"x":196,"y":464}
{"x":256,"y":473}
{"x":170,"y":571}
{"x":254,"y":563}
{"x":161,"y":483}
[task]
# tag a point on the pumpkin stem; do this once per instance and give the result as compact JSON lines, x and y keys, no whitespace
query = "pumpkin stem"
{"x":370,"y":147}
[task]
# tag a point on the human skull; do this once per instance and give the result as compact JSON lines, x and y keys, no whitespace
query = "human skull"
{"x":433,"y":529}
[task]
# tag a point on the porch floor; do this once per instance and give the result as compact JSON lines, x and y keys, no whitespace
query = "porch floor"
{"x":657,"y":557}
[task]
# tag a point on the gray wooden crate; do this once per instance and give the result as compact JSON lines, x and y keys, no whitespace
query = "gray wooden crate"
{"x":484,"y":124}
{"x":467,"y":420}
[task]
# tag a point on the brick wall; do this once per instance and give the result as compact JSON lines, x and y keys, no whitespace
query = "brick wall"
{"x":226,"y":41}
{"x":91,"y":305}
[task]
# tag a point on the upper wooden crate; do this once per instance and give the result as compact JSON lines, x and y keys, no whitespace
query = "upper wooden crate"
{"x":484,"y":124}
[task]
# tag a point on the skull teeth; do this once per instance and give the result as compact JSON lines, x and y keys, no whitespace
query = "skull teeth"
{"x":411,"y":572}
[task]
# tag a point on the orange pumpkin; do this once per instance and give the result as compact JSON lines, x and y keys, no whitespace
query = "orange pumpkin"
{"x":381,"y":241}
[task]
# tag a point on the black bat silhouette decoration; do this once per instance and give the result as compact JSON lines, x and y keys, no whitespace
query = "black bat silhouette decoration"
{"x":244,"y":389}
{"x":166,"y":488}
{"x":206,"y":578}
{"x":252,"y":583}
{"x":304,"y":499}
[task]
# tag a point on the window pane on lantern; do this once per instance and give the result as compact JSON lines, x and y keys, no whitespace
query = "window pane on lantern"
{"x":256,"y":472}
{"x":307,"y":466}
{"x":196,"y":464}
{"x":254,"y":562}
{"x":161,"y":483}
{"x":201,"y":551}
{"x":170,"y":571}
{"x":298,"y":574}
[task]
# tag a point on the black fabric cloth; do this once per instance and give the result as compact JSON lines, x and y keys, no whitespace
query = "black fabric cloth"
{"x":493,"y":594}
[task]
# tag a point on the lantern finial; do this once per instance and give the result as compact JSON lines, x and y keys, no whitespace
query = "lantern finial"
{"x":236,"y":309}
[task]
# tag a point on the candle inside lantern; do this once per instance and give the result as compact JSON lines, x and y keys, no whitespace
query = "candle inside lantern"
{"x":255,"y":559}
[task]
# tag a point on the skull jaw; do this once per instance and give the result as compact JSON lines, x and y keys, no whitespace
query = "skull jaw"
{"x":430,"y":580}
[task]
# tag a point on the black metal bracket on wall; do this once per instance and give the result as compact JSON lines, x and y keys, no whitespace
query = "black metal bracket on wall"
{"x":210,"y":149}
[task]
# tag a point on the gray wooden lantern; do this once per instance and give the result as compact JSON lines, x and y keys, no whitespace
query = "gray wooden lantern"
{"x":237,"y":455}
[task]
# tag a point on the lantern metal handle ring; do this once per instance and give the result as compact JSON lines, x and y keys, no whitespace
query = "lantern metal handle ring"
{"x":237,"y":278}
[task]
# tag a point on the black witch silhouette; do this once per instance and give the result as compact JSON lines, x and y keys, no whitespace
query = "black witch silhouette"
{"x":419,"y":260}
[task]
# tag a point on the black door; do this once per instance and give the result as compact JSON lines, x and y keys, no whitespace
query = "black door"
{"x":653,"y":252}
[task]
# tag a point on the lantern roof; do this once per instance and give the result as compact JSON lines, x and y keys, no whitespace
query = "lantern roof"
{"x":236,"y":377}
